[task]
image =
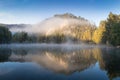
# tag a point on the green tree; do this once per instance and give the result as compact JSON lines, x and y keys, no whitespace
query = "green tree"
{"x":20,"y":37}
{"x":108,"y":31}
{"x":5,"y":35}
{"x":113,"y":29}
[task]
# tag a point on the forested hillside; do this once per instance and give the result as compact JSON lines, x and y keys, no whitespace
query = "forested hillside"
{"x":62,"y":28}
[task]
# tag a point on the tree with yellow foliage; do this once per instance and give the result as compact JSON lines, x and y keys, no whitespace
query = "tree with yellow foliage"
{"x":98,"y":36}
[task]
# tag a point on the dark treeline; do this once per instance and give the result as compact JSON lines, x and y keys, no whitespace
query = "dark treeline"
{"x":108,"y":33}
{"x":5,"y":35}
{"x":23,"y":37}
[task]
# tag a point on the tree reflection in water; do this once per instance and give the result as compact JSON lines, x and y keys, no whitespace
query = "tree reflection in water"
{"x":67,"y":61}
{"x":5,"y":54}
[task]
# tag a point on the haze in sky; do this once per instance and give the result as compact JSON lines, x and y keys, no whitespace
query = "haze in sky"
{"x":34,"y":11}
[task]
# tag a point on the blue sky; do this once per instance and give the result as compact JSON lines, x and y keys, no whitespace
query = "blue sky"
{"x":34,"y":11}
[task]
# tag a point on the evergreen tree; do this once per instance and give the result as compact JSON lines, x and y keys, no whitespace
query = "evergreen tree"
{"x":20,"y":37}
{"x":5,"y":35}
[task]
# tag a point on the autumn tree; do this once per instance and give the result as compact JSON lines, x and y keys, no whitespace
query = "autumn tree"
{"x":99,"y":34}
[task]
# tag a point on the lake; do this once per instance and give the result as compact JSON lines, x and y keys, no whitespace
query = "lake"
{"x":59,"y":62}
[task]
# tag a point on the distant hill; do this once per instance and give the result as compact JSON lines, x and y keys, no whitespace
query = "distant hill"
{"x":60,"y":24}
{"x":15,"y":25}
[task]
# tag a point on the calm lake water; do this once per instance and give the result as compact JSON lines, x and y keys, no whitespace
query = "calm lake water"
{"x":59,"y":62}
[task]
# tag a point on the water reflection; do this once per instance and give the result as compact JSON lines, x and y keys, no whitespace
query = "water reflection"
{"x":111,"y":63}
{"x":5,"y":53}
{"x":67,"y":61}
